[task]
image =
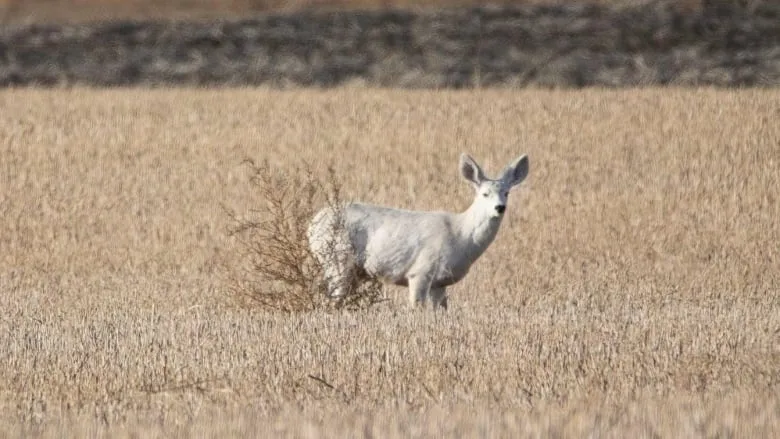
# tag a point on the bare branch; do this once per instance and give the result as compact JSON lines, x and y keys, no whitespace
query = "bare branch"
{"x":277,"y":270}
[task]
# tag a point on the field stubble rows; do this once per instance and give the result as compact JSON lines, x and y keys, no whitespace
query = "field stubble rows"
{"x":632,"y":291}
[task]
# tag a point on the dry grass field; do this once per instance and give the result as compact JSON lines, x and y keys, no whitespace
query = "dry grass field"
{"x":633,"y":290}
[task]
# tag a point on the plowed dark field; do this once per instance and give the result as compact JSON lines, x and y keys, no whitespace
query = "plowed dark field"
{"x":527,"y":45}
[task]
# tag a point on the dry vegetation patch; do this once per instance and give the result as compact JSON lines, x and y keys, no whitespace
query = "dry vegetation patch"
{"x":632,"y":290}
{"x":275,"y":269}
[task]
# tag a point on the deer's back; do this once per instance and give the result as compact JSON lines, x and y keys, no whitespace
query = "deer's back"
{"x":389,"y":242}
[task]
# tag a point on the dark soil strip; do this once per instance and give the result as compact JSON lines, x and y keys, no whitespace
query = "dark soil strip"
{"x":549,"y":46}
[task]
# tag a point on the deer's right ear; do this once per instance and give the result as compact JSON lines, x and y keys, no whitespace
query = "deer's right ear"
{"x":470,"y":170}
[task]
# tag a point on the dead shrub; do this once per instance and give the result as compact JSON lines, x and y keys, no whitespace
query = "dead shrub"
{"x":275,"y":269}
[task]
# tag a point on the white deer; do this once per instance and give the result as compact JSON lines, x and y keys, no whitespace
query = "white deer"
{"x":426,"y":251}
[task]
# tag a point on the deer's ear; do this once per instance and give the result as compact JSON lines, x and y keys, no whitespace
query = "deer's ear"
{"x":470,"y":170}
{"x":516,"y":172}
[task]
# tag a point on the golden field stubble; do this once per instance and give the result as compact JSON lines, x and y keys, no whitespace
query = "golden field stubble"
{"x":633,"y":288}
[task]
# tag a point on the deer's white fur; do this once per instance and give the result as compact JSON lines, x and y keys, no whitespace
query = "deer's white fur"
{"x":426,"y":251}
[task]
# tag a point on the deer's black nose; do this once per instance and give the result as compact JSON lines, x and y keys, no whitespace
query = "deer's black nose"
{"x":500,"y":209}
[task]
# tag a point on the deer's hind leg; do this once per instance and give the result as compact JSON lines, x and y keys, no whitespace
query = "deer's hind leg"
{"x":340,"y":273}
{"x":338,"y":265}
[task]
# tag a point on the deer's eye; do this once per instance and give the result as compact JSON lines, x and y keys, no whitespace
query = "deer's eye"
{"x":485,"y":194}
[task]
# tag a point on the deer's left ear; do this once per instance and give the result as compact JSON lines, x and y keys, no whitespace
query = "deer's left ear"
{"x":516,"y":172}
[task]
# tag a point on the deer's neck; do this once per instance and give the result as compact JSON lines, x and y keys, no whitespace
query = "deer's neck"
{"x":476,"y":230}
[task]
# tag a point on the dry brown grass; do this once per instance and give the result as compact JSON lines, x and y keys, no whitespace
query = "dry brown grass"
{"x":31,"y":11}
{"x":632,"y":290}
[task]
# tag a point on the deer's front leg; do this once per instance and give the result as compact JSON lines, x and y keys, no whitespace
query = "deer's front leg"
{"x":418,"y":289}
{"x":438,"y":297}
